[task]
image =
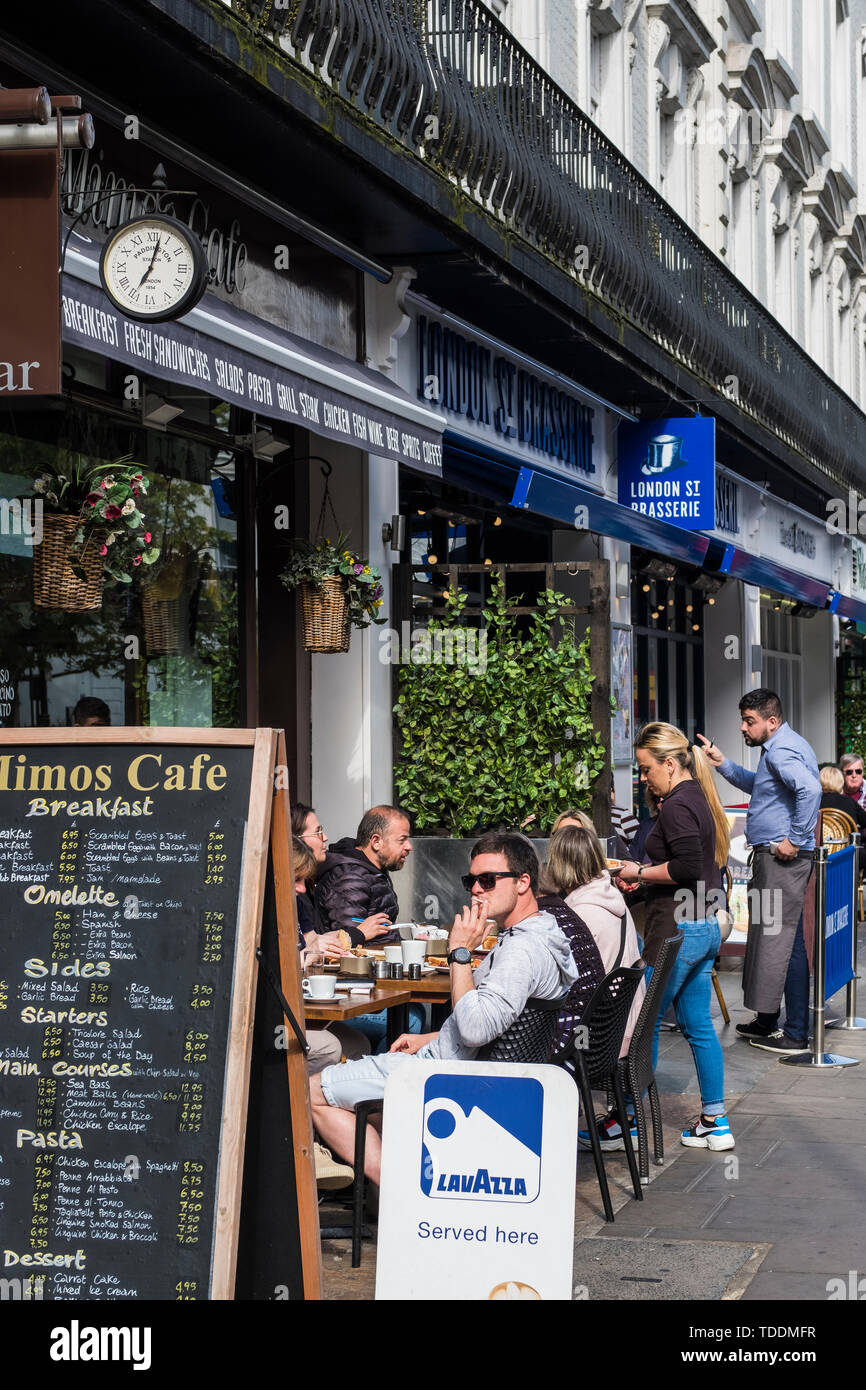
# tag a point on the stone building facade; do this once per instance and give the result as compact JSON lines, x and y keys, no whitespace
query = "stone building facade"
{"x":750,"y":117}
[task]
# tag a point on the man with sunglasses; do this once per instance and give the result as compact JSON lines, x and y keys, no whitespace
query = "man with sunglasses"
{"x":851,"y":767}
{"x":533,"y":960}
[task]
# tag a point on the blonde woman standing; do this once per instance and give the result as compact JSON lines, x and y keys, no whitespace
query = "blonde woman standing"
{"x":687,"y":848}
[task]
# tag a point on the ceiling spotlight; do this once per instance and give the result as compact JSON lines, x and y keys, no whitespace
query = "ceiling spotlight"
{"x":155,"y":411}
{"x":646,"y":588}
{"x":670,"y":603}
{"x":432,"y":559}
{"x":421,"y":513}
{"x":266,"y":446}
{"x":488,"y":562}
{"x":711,"y":602}
{"x":696,"y":627}
{"x":689,"y":607}
{"x":497,"y":521}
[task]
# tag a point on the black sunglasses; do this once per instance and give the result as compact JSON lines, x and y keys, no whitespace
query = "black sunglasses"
{"x":487,"y":882}
{"x":853,"y":772}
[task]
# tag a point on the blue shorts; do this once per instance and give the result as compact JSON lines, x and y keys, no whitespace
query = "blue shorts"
{"x":348,"y":1083}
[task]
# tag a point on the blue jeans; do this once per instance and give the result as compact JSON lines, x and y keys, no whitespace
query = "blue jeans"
{"x":796,"y":992}
{"x":689,"y":989}
{"x":374,"y":1026}
{"x":797,"y":989}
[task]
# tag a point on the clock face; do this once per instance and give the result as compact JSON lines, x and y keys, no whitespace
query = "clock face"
{"x":153,"y":268}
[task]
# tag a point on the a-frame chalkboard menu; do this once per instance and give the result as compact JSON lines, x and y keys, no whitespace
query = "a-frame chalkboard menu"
{"x":142,"y":1055}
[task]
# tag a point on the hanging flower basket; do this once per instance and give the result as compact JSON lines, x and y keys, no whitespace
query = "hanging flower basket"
{"x":325,"y":612}
{"x":162,"y":605}
{"x":162,"y":624}
{"x":93,"y":529}
{"x":54,"y":583}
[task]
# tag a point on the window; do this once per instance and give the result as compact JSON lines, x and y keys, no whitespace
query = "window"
{"x":163,"y":649}
{"x":781,"y":639}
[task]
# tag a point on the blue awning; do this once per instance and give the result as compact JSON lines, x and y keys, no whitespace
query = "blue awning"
{"x":590,"y":511}
{"x":849,"y":608}
{"x":752,"y":569}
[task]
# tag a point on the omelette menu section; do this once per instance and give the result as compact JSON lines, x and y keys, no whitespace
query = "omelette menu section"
{"x":120,"y":869}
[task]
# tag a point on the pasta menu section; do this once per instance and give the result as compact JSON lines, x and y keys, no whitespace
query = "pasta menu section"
{"x":119,"y":877}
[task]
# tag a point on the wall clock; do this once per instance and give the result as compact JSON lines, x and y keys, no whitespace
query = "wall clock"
{"x":154,"y":268}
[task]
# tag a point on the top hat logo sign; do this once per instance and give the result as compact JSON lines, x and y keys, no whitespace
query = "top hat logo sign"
{"x":664,"y":454}
{"x":480,"y":1145}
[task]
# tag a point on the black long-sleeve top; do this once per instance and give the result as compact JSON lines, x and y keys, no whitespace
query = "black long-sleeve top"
{"x":684,"y":838}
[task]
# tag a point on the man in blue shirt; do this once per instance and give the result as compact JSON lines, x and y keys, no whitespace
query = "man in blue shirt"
{"x":780,"y":826}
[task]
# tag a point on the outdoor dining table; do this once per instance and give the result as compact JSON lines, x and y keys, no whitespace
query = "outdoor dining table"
{"x":430,"y":989}
{"x":340,"y":1009}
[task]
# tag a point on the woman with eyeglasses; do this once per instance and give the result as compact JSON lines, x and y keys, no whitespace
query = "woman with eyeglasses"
{"x":307,"y":828}
{"x":687,"y":848}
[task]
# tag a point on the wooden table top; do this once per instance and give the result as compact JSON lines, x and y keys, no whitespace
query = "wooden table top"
{"x":370,"y":1002}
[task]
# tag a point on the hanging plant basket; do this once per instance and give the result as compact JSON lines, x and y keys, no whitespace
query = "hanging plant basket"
{"x":162,"y":624}
{"x":325,"y":616}
{"x":162,"y":604}
{"x":54,"y":584}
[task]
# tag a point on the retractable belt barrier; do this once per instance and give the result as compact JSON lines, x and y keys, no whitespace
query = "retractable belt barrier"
{"x":835,"y":923}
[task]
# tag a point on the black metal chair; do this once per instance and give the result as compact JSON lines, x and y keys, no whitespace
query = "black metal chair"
{"x":528,"y":1040}
{"x":635,"y":1069}
{"x":595,"y":1058}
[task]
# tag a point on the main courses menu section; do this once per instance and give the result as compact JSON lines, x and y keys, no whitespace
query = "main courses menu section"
{"x":120,"y":871}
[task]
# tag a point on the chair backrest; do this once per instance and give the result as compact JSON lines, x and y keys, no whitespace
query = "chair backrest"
{"x":836,"y":825}
{"x":530,"y":1036}
{"x":599,"y":1035}
{"x":639,"y":1060}
{"x":590,"y":970}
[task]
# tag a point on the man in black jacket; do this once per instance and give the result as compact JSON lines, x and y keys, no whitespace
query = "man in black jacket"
{"x":354,"y":889}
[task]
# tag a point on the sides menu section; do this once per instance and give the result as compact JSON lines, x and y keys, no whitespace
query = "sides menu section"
{"x":120,"y":871}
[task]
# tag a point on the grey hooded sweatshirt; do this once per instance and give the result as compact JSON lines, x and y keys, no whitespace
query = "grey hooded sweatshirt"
{"x":532,"y":961}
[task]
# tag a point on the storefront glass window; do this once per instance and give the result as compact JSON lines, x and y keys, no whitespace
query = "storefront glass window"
{"x":161,"y":650}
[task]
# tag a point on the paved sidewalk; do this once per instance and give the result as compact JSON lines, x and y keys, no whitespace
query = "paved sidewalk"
{"x":780,"y":1221}
{"x":776,"y":1218}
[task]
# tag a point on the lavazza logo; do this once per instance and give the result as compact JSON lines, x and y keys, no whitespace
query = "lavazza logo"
{"x":77,"y":1343}
{"x":482,"y":1142}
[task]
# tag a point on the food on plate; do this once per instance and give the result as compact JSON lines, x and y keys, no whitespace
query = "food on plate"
{"x":613,"y":864}
{"x":489,"y":942}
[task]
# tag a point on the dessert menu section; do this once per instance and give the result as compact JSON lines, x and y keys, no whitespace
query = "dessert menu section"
{"x":120,"y":869}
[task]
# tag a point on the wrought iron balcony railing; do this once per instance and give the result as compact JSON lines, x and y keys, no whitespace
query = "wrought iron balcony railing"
{"x":447,"y":80}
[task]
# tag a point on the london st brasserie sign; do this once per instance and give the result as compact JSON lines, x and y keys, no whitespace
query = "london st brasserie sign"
{"x":465,"y":378}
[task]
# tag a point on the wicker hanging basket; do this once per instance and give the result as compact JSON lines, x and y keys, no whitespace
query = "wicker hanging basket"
{"x":162,"y":605}
{"x":326,"y":616}
{"x":162,"y":624}
{"x":54,"y":584}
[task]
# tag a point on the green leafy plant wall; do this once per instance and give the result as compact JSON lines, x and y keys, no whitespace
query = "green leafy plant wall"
{"x":851,"y":711}
{"x":490,"y":743}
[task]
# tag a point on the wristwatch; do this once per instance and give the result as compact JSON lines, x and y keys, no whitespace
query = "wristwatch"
{"x":460,"y":956}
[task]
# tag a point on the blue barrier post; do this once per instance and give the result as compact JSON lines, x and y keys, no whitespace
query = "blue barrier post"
{"x":818,"y":1057}
{"x":851,"y":1022}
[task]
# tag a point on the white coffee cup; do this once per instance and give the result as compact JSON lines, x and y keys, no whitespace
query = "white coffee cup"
{"x":394,"y":955}
{"x":319,"y":986}
{"x":413,"y":952}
